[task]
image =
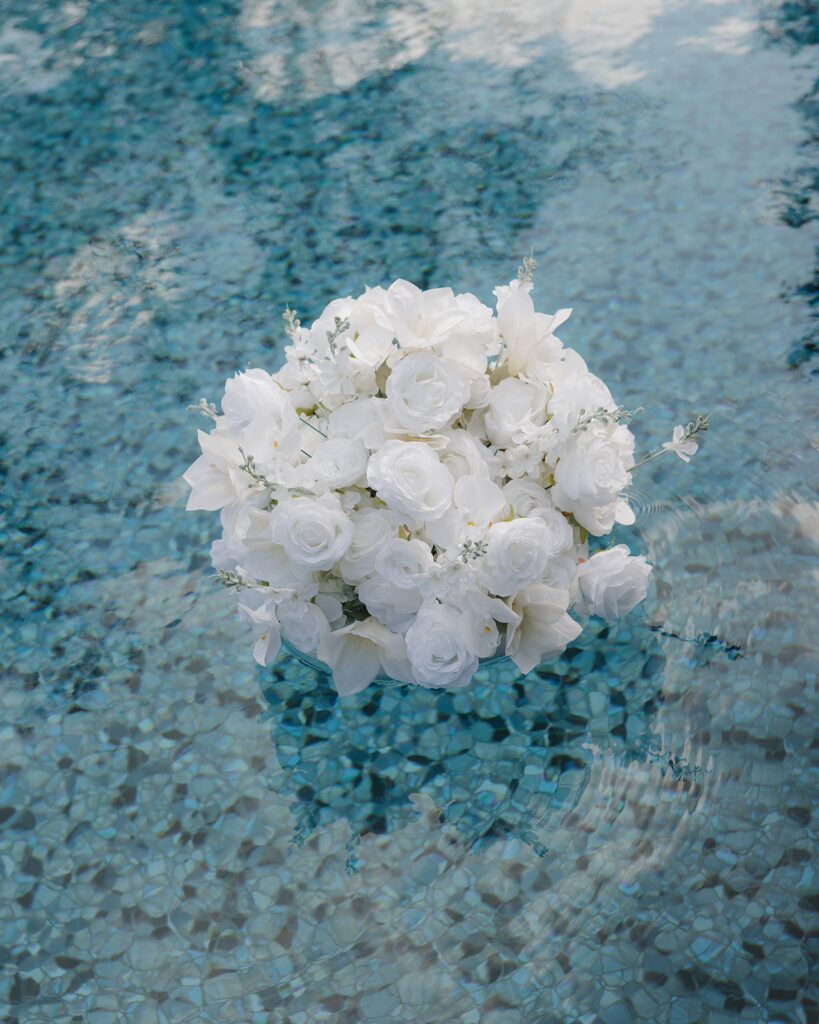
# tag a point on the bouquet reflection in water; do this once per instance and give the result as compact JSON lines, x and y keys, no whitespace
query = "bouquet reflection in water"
{"x":499,"y":758}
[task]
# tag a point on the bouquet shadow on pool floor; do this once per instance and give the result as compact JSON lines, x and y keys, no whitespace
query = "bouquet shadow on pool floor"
{"x":498,"y":758}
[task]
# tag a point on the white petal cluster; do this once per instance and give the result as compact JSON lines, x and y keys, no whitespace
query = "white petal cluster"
{"x":414,"y":489}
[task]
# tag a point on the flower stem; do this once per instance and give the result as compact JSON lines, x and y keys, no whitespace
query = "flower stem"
{"x":647,"y":458}
{"x":311,"y":426}
{"x":691,"y":431}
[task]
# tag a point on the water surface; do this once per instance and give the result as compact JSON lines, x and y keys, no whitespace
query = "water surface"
{"x":625,"y":834}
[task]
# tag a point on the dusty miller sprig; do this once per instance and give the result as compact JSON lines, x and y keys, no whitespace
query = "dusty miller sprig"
{"x":249,"y":467}
{"x":231,"y":579}
{"x":526,"y":271}
{"x":292,"y":323}
{"x":602,"y":415}
{"x":472,"y":549}
{"x":206,"y":408}
{"x":342,"y":325}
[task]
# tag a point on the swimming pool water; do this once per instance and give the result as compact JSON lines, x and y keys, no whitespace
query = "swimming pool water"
{"x":626,"y":834}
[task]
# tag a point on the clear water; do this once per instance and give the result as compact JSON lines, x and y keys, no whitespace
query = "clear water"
{"x":628,"y":834}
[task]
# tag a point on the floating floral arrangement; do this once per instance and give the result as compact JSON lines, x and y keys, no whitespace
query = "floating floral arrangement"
{"x":415,"y":488}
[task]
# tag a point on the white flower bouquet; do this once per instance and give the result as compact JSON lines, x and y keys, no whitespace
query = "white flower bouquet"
{"x":414,"y":489}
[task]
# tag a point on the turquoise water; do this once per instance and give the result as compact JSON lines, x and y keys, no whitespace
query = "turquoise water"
{"x":627,"y":834}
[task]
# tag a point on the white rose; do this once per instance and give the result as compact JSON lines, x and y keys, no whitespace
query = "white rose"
{"x":611,"y":583}
{"x":623,"y":440}
{"x":561,"y":533}
{"x":362,"y":419}
{"x":464,"y":455}
{"x":372,"y":528}
{"x":479,"y":325}
{"x":392,"y":605}
{"x":516,"y":554}
{"x":426,"y":393}
{"x":404,"y":563}
{"x":303,"y":624}
{"x":561,"y":569}
{"x":260,"y":558}
{"x":409,"y":478}
{"x":527,"y":498}
{"x":469,"y":355}
{"x":338,"y":463}
{"x":515,"y":411}
{"x":314,"y":532}
{"x":358,"y":315}
{"x":598,"y":520}
{"x":255,"y":393}
{"x":589,"y":476}
{"x":578,"y":395}
{"x":436,"y":649}
{"x":480,"y":391}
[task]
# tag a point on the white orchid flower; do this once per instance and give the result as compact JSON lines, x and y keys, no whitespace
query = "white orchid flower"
{"x":683,"y":447}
